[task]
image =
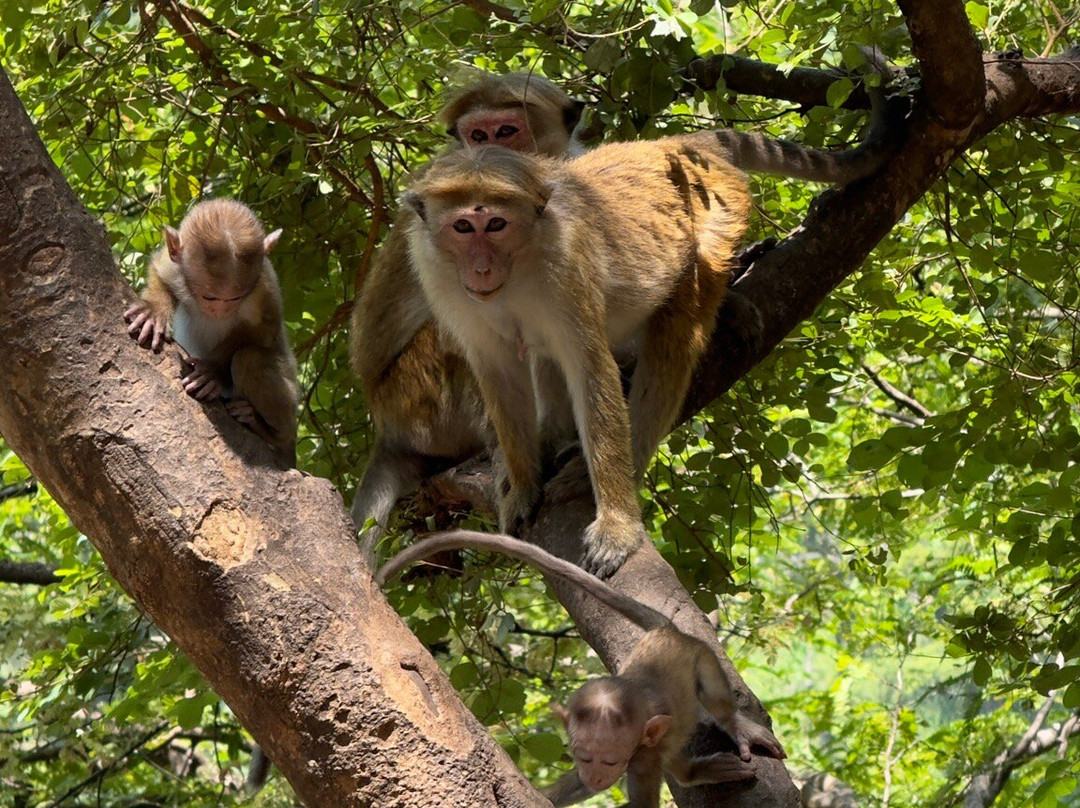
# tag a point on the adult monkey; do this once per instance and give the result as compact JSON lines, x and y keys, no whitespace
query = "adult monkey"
{"x":627,"y":247}
{"x":427,"y":410}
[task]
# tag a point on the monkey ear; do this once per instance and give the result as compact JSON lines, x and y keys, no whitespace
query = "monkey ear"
{"x":416,"y":202}
{"x":271,"y":240}
{"x":654,"y":730}
{"x":172,"y":242}
{"x":562,"y":712}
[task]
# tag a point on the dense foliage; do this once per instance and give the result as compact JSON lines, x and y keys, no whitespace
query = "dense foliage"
{"x":883,"y":515}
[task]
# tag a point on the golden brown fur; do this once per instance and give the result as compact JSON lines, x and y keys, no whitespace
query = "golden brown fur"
{"x":640,"y":721}
{"x":629,"y":243}
{"x":427,"y":409}
{"x":213,"y":289}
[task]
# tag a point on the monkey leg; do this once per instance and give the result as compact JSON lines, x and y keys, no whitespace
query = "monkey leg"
{"x":506,"y":387}
{"x":391,"y":473}
{"x":603,"y":423}
{"x":675,"y":337}
{"x":266,"y":379}
{"x":714,"y":692}
{"x":723,"y":767}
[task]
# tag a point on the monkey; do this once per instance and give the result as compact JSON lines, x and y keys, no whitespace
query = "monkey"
{"x":425,"y":403}
{"x":427,"y":410}
{"x":640,"y":720}
{"x":625,"y":247}
{"x":212,"y":289}
{"x":522,"y":111}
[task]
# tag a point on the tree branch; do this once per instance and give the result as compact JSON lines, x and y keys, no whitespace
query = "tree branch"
{"x":805,"y":86}
{"x":901,"y":398}
{"x":28,"y":572}
{"x":984,"y":788}
{"x":254,"y":571}
{"x":950,"y":59}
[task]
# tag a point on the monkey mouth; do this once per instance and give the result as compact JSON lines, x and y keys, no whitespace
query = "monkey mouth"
{"x":482,"y":294}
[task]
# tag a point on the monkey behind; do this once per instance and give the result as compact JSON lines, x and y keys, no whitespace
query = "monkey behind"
{"x":427,"y":409}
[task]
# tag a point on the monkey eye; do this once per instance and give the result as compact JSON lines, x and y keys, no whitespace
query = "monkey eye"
{"x":210,"y":298}
{"x":478,"y":136}
{"x":495,"y":225}
{"x":506,"y":130}
{"x":464,"y":226}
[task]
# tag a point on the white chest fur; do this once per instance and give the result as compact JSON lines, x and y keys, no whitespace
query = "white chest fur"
{"x":197,"y":333}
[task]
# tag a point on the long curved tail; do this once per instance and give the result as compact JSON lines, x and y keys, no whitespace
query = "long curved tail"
{"x":751,"y":151}
{"x":644,"y":616}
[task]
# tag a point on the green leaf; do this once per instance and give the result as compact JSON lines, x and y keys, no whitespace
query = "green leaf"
{"x":838,"y":91}
{"x":547,"y":747}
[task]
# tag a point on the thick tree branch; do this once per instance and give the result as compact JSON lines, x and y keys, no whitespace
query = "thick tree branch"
{"x":950,"y":59}
{"x":27,"y":572}
{"x":805,"y":86}
{"x":786,"y":284}
{"x":252,"y":570}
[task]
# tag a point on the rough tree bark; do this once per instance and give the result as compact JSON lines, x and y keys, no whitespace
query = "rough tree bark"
{"x":254,"y":571}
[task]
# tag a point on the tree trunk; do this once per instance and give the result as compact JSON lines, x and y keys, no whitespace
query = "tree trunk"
{"x":252,"y":570}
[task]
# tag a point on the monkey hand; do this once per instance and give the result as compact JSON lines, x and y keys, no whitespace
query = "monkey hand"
{"x":147,"y":326}
{"x":202,"y":383}
{"x":609,"y":539}
{"x":748,"y":732}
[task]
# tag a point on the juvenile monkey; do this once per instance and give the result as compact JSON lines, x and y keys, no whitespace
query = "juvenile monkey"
{"x":213,"y":289}
{"x":640,"y":720}
{"x":427,"y":410}
{"x":628,"y":246}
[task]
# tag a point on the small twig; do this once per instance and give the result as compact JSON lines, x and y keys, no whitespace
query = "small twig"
{"x":901,"y":398}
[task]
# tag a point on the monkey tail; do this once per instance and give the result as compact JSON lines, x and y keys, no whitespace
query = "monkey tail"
{"x":752,"y":151}
{"x":644,"y":616}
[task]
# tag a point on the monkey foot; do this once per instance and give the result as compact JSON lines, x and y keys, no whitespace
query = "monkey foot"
{"x":241,"y":410}
{"x":608,"y":543}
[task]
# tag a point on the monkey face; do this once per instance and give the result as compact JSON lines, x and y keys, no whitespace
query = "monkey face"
{"x":602,"y":754}
{"x":482,"y":240}
{"x":215,"y":298}
{"x":498,"y":127}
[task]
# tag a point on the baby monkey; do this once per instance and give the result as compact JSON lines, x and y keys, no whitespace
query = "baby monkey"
{"x":640,"y":720}
{"x":212,"y":289}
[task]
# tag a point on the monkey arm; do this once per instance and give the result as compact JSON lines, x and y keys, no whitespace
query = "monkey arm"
{"x":643,"y":776}
{"x":390,"y":309}
{"x":507,"y":390}
{"x":603,"y":421}
{"x":149,"y":318}
{"x":567,"y":790}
